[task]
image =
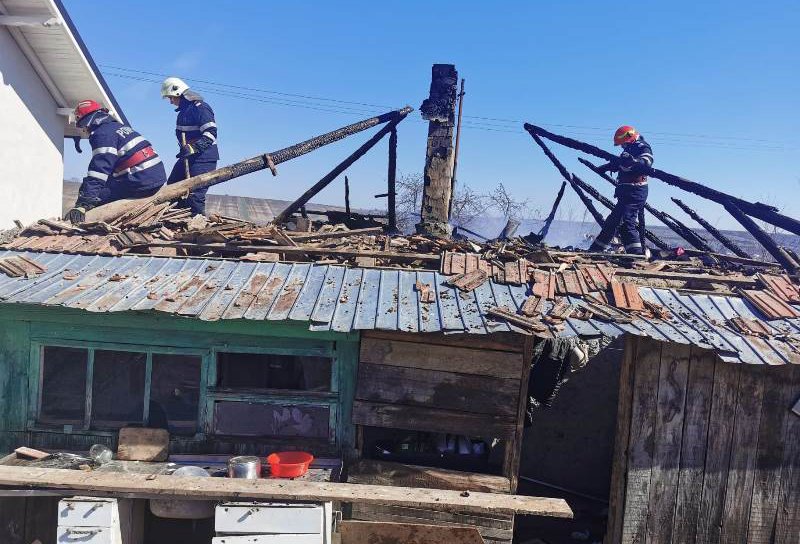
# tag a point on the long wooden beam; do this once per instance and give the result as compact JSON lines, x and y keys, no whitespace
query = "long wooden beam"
{"x":777,"y":252}
{"x":754,"y":209}
{"x":390,"y":127}
{"x":176,"y":191}
{"x":713,"y":231}
{"x":172,"y":487}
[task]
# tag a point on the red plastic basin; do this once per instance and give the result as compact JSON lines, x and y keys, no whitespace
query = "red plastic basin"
{"x":289,"y":464}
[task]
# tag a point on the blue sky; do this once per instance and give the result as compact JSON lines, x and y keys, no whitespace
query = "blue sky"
{"x":714,"y":86}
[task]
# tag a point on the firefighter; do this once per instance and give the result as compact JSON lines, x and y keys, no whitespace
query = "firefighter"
{"x":196,"y":131}
{"x":631,"y":193}
{"x":123,"y":164}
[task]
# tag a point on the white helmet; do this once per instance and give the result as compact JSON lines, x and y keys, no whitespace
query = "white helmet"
{"x":173,"y":87}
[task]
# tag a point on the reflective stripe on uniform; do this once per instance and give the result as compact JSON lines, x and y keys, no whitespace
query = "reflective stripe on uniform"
{"x":97,"y":175}
{"x":139,"y":167}
{"x":210,"y":137}
{"x":207,"y":125}
{"x":103,"y":150}
{"x":601,"y":244}
{"x":187,"y":128}
{"x":635,"y":245}
{"x":130,"y":145}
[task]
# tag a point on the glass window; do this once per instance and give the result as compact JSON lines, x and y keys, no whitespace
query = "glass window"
{"x":175,"y":393}
{"x":253,"y":419}
{"x":118,"y":388}
{"x":63,"y":393}
{"x":270,"y":371}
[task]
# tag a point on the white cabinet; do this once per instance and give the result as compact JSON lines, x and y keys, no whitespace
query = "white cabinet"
{"x":273,"y":523}
{"x":92,"y":520}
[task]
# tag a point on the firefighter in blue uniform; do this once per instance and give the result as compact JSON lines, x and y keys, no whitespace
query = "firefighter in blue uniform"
{"x":123,"y":164}
{"x":196,"y":131}
{"x":631,"y":193}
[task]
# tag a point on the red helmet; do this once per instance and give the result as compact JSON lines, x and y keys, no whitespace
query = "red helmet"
{"x":625,"y":135}
{"x":84,"y":108}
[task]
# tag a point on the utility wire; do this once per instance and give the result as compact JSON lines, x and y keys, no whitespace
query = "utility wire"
{"x":494,"y":124}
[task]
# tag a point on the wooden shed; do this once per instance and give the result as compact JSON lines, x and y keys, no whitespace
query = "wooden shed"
{"x":706,"y":450}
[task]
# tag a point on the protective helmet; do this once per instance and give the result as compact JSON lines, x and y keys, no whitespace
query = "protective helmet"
{"x":173,"y":87}
{"x":625,"y":135}
{"x":83,"y":109}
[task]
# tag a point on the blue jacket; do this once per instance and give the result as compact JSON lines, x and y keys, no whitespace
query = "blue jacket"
{"x":196,"y":120}
{"x":112,"y":145}
{"x":637,"y":158}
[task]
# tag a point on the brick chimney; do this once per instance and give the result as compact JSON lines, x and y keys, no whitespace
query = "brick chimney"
{"x":440,"y":110}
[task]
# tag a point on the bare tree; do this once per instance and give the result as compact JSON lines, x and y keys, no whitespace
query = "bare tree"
{"x":467,"y":206}
{"x":409,"y":200}
{"x":508,"y":206}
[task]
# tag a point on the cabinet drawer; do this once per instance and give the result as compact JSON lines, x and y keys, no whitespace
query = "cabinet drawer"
{"x":87,"y":512}
{"x":268,"y":539}
{"x":86,"y":535}
{"x":250,"y":518}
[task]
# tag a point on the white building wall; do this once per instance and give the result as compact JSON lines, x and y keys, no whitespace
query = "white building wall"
{"x":31,"y":141}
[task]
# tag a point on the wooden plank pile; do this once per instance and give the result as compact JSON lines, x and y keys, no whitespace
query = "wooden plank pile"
{"x":18,"y":266}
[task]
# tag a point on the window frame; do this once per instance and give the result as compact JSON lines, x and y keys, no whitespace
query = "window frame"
{"x":329,"y":399}
{"x":209,"y":393}
{"x":37,"y":374}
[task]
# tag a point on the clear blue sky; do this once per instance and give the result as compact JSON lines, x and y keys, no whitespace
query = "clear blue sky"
{"x":714,"y":86}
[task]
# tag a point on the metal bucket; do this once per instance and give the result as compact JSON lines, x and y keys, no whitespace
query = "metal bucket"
{"x":244,"y":466}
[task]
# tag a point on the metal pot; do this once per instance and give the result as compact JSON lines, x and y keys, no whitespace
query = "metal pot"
{"x":244,"y":466}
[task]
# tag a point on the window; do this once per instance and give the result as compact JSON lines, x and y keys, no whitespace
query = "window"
{"x":125,"y":387}
{"x":271,"y":371}
{"x":175,"y":392}
{"x":63,"y":394}
{"x":118,"y":388}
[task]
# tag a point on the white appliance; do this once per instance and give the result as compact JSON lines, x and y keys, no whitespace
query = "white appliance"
{"x":273,"y":523}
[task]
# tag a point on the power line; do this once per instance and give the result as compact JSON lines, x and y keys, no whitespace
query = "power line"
{"x":495,"y":124}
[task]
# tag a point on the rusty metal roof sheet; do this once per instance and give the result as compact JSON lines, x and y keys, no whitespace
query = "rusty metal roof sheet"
{"x":338,"y":298}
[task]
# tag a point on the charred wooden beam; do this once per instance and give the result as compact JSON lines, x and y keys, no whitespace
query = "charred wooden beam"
{"x":777,"y":252}
{"x":176,"y":191}
{"x":346,"y":195}
{"x":598,"y":217}
{"x":338,"y":169}
{"x":713,"y":231}
{"x":440,"y":110}
{"x":391,"y":181}
{"x":758,"y":210}
{"x":552,"y":215}
{"x":670,"y":222}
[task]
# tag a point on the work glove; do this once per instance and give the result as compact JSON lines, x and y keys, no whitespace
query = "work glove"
{"x":186,"y":151}
{"x":76,"y":215}
{"x":626,"y":161}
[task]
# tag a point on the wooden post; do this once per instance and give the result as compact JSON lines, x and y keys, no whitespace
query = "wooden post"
{"x":777,"y":252}
{"x":439,"y":109}
{"x":176,"y":191}
{"x":458,"y":141}
{"x":724,"y":240}
{"x":391,"y":179}
{"x":337,"y":170}
{"x":347,"y":196}
{"x":758,"y":210}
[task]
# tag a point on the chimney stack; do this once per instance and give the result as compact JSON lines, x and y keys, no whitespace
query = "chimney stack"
{"x":440,"y":110}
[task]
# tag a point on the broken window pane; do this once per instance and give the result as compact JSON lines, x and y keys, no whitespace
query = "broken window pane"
{"x":63,"y":385}
{"x":270,"y":371}
{"x":118,"y":388}
{"x":175,"y":393}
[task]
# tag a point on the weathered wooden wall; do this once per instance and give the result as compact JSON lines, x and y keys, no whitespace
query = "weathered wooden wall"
{"x":473,"y":386}
{"x":706,"y":451}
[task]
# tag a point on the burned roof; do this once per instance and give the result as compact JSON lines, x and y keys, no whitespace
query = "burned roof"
{"x":337,"y":297}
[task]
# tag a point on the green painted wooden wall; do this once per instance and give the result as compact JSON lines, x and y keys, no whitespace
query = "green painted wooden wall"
{"x":24,"y":329}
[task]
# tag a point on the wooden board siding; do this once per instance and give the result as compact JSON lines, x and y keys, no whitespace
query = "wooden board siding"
{"x":465,"y":387}
{"x":706,"y":451}
{"x":458,"y":385}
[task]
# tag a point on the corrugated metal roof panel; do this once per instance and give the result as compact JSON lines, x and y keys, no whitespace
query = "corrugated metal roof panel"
{"x":337,"y":298}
